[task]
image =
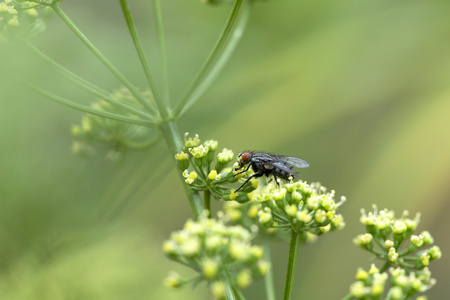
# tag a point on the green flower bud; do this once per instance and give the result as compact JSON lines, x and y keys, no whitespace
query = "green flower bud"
{"x":427,"y":238}
{"x":358,"y":290}
{"x":170,"y":248}
{"x":173,"y":280}
{"x":417,"y":240}
{"x":312,"y":202}
{"x":263,"y":267}
{"x":211,"y":144}
{"x":212,"y":175}
{"x":225,"y":156}
{"x":191,"y":142}
{"x":325,"y":228}
{"x":265,"y":217}
{"x":320,"y":216}
{"x":199,"y":151}
{"x":327,"y":203}
{"x":435,"y":252}
{"x":388,"y":244}
{"x":182,"y":160}
{"x":373,"y":269}
{"x":210,"y":267}
{"x":190,"y":247}
{"x":244,"y":278}
{"x":363,"y":239}
{"x":399,"y":227}
{"x":361,"y":274}
{"x":392,"y":255}
{"x":181,"y":156}
{"x":304,"y":216}
{"x":425,"y":259}
{"x":218,"y":289}
{"x":290,"y":210}
{"x":396,"y":293}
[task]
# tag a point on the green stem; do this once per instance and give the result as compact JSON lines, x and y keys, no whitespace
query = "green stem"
{"x":91,"y":110}
{"x":348,"y":297}
{"x":162,"y":49}
{"x":93,"y":89}
{"x":208,"y":202}
{"x":213,"y":64}
{"x":268,"y":279}
{"x":293,"y":254}
{"x":170,"y":132}
{"x":137,"y":44}
{"x":144,"y":102}
{"x":239,"y":294}
{"x":141,"y":145}
{"x":384,"y":267}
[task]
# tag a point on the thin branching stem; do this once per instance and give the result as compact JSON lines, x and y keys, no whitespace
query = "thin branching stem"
{"x":219,"y":56}
{"x":91,"y":110}
{"x":208,"y":202}
{"x":93,"y":89}
{"x":144,"y":102}
{"x":349,"y":296}
{"x":229,"y":291}
{"x":171,"y":133}
{"x":157,"y":11}
{"x":144,"y":63}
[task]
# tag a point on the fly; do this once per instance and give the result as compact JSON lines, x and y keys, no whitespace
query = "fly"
{"x":269,"y":164}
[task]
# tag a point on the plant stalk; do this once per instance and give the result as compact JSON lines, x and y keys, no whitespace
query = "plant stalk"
{"x":293,"y":254}
{"x":144,"y":102}
{"x":91,"y":110}
{"x":93,"y":89}
{"x":144,"y":63}
{"x":172,"y":136}
{"x":197,"y":87}
{"x":162,"y":49}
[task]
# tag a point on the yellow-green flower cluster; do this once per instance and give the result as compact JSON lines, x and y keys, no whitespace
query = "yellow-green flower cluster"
{"x":98,"y":135}
{"x":21,"y":18}
{"x":215,"y":250}
{"x":305,"y":208}
{"x":397,"y":244}
{"x":197,"y":158}
{"x":371,"y":284}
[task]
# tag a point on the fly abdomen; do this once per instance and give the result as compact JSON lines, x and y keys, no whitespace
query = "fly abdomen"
{"x":283,"y":174}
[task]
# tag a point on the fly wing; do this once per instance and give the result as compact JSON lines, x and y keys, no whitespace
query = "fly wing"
{"x":293,"y":162}
{"x":281,"y":165}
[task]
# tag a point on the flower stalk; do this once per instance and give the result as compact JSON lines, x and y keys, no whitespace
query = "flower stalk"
{"x":173,"y":140}
{"x":292,"y":259}
{"x":149,"y":107}
{"x":208,"y":70}
{"x":144,"y":63}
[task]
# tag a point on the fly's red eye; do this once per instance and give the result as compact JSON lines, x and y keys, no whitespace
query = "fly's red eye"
{"x":245,"y":157}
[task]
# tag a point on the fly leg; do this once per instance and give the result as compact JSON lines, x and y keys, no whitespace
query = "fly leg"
{"x":248,"y":179}
{"x":242,"y":171}
{"x":276,"y":179}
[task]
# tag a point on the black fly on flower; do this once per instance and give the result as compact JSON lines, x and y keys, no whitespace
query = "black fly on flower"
{"x":269,"y":164}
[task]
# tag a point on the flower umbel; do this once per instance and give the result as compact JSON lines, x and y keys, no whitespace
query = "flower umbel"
{"x":215,"y":250}
{"x":397,"y":245}
{"x":302,"y":207}
{"x":98,"y":135}
{"x":372,"y":284}
{"x":22,"y":19}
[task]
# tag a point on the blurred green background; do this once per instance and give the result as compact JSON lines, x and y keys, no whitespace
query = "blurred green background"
{"x":359,"y":89}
